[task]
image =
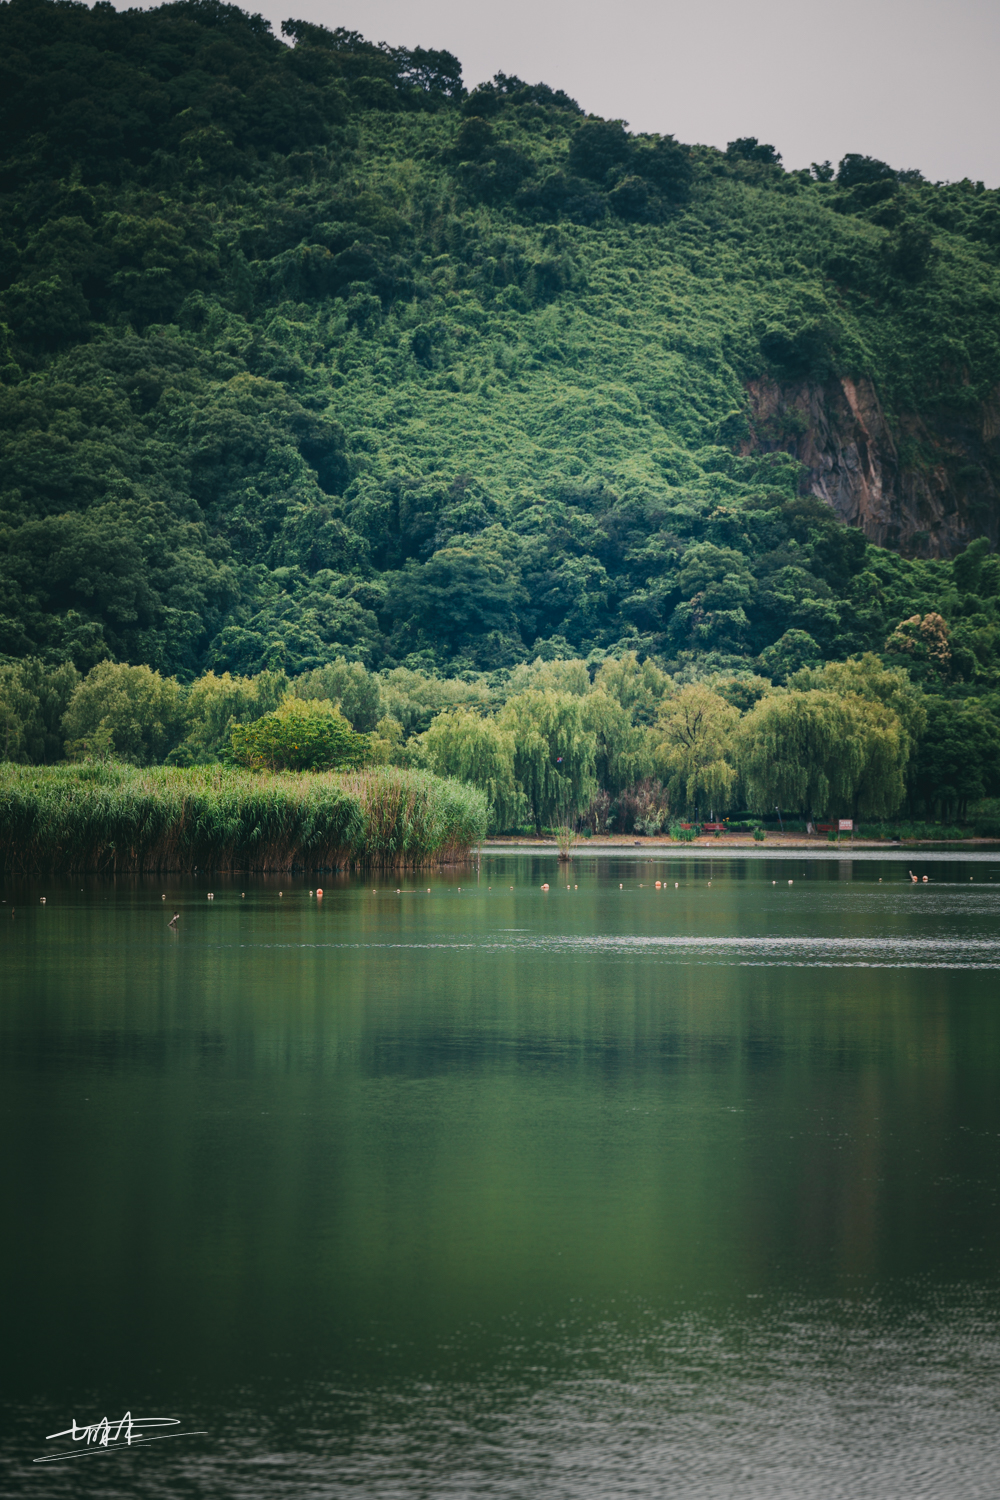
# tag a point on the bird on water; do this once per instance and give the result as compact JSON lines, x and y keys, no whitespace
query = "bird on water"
{"x":174,"y":919}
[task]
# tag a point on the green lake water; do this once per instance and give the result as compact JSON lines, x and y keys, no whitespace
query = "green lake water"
{"x":488,"y":1191}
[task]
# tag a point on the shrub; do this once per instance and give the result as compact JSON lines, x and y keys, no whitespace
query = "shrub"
{"x":300,"y":735}
{"x":642,"y":808}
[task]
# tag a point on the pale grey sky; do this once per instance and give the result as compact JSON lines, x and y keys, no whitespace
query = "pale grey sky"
{"x":913,"y":83}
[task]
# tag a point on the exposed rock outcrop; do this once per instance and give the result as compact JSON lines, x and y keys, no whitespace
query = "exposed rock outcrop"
{"x":923,"y":490}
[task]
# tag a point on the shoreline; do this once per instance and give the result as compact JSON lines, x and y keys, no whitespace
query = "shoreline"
{"x":743,"y":847}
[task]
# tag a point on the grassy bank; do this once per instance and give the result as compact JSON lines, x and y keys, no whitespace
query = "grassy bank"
{"x":118,"y":819}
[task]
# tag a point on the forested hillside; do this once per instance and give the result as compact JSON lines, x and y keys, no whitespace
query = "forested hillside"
{"x":308,"y":353}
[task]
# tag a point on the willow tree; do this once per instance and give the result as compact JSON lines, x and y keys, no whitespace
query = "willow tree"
{"x":622,"y":754}
{"x":464,"y":744}
{"x":564,"y":675}
{"x":693,"y":747}
{"x":215,"y":703}
{"x":350,"y":685}
{"x":131,"y":712}
{"x":554,"y":754}
{"x":823,"y":752}
{"x":638,"y":686}
{"x":867,"y":677}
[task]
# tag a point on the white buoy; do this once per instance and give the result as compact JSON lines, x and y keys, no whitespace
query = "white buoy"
{"x":791,"y":882}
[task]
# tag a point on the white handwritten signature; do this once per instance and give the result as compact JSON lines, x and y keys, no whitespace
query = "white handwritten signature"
{"x":125,"y":1432}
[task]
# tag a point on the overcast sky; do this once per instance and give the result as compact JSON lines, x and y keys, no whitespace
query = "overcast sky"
{"x":914,"y":82}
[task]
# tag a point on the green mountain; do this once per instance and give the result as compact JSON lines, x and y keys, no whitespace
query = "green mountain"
{"x":307,"y":353}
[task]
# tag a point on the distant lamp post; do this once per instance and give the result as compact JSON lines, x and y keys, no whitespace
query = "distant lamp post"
{"x":780,"y":823}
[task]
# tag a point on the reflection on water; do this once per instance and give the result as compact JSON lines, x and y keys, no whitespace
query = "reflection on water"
{"x":600,"y":1191}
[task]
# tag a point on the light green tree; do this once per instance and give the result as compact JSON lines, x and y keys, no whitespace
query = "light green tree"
{"x":387,"y":747}
{"x":868,"y":678}
{"x":215,"y":703}
{"x":639,"y":687}
{"x":554,"y":754}
{"x":822,"y":752}
{"x":694,"y":748}
{"x":351,"y":686}
{"x":131,"y":712}
{"x":301,"y":735}
{"x":414,"y":698}
{"x":464,"y":744}
{"x":563,"y":675}
{"x":622,"y":749}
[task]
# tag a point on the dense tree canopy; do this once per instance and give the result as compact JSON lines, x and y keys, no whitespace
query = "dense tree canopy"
{"x":307,"y":352}
{"x":619,"y":746}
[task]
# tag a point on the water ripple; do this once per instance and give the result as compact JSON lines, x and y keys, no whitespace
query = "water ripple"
{"x":874,"y":952}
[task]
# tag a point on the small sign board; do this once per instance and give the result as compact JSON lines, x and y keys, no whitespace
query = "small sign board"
{"x":845,"y":825}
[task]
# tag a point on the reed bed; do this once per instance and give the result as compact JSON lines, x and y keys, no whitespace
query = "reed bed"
{"x":117,"y":819}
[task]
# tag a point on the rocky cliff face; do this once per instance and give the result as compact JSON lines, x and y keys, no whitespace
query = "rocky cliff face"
{"x":921,"y":489}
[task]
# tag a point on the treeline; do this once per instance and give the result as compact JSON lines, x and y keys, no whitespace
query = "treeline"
{"x":613,"y":745}
{"x":309,"y":352}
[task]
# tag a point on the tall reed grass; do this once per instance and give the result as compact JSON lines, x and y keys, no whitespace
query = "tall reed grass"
{"x":122,"y":820}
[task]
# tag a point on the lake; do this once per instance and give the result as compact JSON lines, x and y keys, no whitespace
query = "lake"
{"x":473,"y":1189}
